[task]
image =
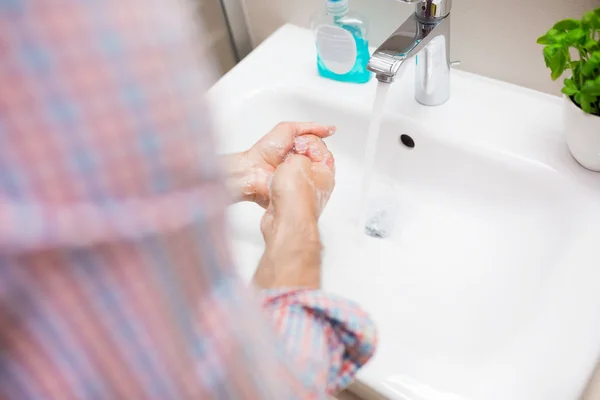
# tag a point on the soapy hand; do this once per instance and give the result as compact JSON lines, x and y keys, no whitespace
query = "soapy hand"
{"x":250,"y":172}
{"x":301,"y":186}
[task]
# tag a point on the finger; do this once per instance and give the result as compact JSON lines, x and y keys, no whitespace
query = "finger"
{"x":287,"y":131}
{"x":296,"y":162}
{"x":276,"y":145}
{"x":311,"y":128}
{"x":323,"y":176}
{"x":304,"y":186}
{"x":294,"y":167}
{"x":315,"y":149}
{"x":317,"y":173}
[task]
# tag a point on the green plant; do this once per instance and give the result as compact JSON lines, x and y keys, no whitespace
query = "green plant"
{"x":582,"y":38}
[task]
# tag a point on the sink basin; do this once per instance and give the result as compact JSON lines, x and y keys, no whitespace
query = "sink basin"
{"x":488,"y":286}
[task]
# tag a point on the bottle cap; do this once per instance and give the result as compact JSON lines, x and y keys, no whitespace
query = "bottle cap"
{"x":337,"y":7}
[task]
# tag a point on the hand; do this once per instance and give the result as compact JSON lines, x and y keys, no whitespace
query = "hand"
{"x":302,"y":185}
{"x":300,"y":190}
{"x":250,"y":172}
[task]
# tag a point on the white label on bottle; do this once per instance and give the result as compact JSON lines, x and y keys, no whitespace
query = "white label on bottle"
{"x":337,"y":48}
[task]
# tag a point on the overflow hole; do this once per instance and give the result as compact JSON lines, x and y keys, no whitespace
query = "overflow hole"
{"x":407,"y":141}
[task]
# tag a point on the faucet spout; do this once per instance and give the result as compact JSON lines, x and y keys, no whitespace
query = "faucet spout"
{"x":426,"y":38}
{"x":403,"y":44}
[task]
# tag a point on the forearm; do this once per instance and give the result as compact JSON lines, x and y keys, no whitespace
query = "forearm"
{"x":292,"y":257}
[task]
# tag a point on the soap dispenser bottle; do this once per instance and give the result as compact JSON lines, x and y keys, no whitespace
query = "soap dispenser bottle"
{"x":342,"y":45}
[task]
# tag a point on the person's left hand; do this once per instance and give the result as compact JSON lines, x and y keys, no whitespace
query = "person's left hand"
{"x":250,"y":172}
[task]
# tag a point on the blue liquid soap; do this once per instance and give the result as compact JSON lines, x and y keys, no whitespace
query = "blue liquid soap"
{"x":342,"y":45}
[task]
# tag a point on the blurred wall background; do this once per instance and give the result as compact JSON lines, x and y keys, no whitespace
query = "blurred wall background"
{"x":216,"y":40}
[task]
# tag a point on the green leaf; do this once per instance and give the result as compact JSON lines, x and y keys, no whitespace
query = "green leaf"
{"x":570,"y":92}
{"x":586,"y":103}
{"x":569,"y":83}
{"x":567,"y":25}
{"x":576,"y":66}
{"x":556,"y":59}
{"x":570,"y":88}
{"x":552,"y":37}
{"x":591,"y":68}
{"x":591,"y":87}
{"x":590,"y":45}
{"x":577,"y":36}
{"x":549,"y":52}
{"x":591,"y":19}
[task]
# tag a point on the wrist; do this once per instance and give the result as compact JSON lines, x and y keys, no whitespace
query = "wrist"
{"x":292,"y":256}
{"x":239,"y":177}
{"x":290,"y":233}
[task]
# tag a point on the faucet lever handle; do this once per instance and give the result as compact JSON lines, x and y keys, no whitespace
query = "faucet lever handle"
{"x":430,"y":9}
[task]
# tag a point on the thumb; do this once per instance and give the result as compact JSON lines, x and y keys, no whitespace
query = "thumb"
{"x":295,"y":168}
{"x":289,"y":174}
{"x":292,"y":187}
{"x":298,"y":162}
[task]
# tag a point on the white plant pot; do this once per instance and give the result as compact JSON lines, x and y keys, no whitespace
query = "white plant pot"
{"x":583,"y":135}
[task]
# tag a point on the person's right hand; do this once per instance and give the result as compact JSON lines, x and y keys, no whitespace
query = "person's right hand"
{"x":301,"y":186}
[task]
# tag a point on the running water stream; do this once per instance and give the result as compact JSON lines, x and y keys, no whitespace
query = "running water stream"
{"x":381,"y":95}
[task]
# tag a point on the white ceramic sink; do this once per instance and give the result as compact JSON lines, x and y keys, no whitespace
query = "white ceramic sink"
{"x":489,"y":286}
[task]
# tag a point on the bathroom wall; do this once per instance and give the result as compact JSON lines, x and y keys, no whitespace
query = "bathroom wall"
{"x":215,"y":38}
{"x":490,"y":37}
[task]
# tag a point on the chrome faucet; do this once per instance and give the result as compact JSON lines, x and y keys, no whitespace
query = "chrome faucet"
{"x":425,"y":35}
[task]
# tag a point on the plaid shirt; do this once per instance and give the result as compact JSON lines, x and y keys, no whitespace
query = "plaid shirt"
{"x":115,"y":277}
